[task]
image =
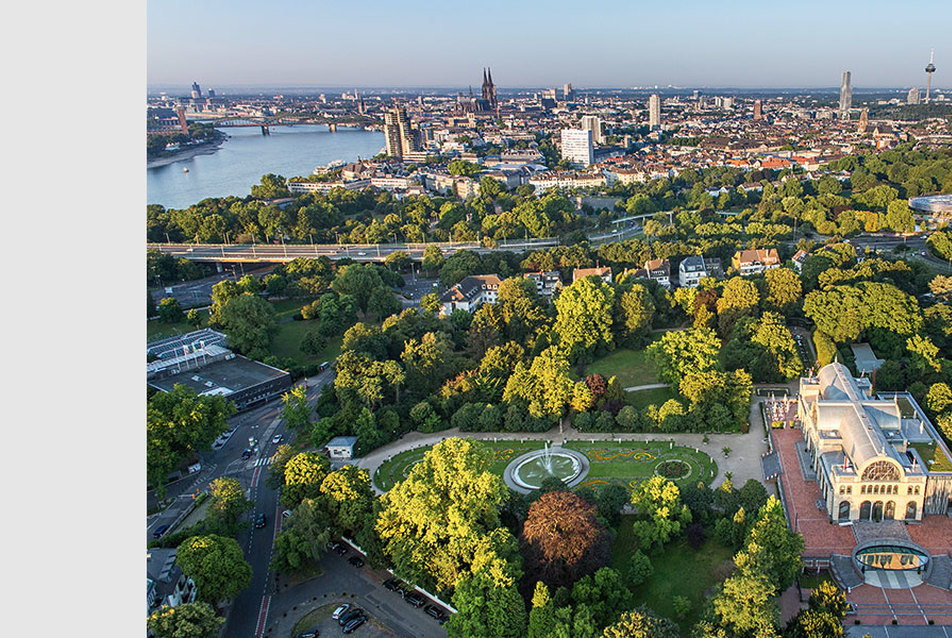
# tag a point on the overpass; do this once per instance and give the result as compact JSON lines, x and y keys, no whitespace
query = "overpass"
{"x":275,"y":253}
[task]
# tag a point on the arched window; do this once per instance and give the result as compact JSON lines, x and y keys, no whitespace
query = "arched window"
{"x":877,"y":511}
{"x":881,"y":471}
{"x":864,"y":510}
{"x":890,"y":512}
{"x":844,"y":513}
{"x":911,"y":510}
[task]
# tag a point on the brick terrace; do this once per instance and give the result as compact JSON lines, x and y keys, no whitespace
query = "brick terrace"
{"x":875,"y":606}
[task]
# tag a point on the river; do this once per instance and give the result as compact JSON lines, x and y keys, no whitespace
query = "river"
{"x":246,"y":155}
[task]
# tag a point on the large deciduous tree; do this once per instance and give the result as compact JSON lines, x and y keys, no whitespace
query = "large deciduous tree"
{"x":216,"y":565}
{"x":641,"y":623}
{"x":784,"y":292}
{"x":562,"y":540}
{"x":544,"y":387}
{"x":680,"y":352}
{"x":191,"y":620}
{"x":303,"y":538}
{"x":249,"y":322}
{"x":584,"y":321}
{"x":661,"y":515}
{"x":303,"y":475}
{"x":349,"y":499}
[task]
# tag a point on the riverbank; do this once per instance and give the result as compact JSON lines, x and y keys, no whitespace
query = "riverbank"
{"x":186,"y":153}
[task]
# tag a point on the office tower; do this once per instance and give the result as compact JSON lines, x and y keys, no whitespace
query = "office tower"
{"x":577,"y":146}
{"x":930,"y":69}
{"x":654,"y":111}
{"x":863,"y":121}
{"x":211,"y":92}
{"x":696,"y":95}
{"x":400,"y":139}
{"x":593,"y":123}
{"x":568,"y":94}
{"x":913,"y":96}
{"x":846,"y":96}
{"x":758,"y":110}
{"x":196,"y":91}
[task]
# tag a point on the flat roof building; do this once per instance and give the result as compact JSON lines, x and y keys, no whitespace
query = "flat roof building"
{"x":577,"y":146}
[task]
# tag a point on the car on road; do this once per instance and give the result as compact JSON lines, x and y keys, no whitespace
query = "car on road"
{"x":415,"y":599}
{"x":160,"y":531}
{"x":356,"y":561}
{"x":346,"y":618}
{"x":354,"y":624}
{"x":437,"y":613}
{"x":276,"y":439}
{"x":362,"y":254}
{"x":260,"y":520}
{"x":392,"y":584}
{"x":310,"y":633}
{"x":246,"y":453}
{"x":340,"y":611}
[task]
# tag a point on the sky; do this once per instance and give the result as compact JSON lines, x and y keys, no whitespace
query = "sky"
{"x":594,"y":43}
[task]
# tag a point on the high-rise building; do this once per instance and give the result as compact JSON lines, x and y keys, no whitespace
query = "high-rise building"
{"x":196,"y":91}
{"x":846,"y":96}
{"x":568,"y":93}
{"x":913,"y":96}
{"x":593,"y":123}
{"x":654,"y":111}
{"x":758,"y":110}
{"x":577,"y":146}
{"x":211,"y":92}
{"x":400,"y":139}
{"x":930,"y":69}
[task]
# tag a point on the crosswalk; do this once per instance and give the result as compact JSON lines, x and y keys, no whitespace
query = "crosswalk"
{"x":263,"y":462}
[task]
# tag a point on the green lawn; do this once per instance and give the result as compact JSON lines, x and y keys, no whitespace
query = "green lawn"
{"x":156,"y":330}
{"x":643,"y":398}
{"x":288,"y":338}
{"x":609,"y":462}
{"x":679,"y":571}
{"x":932,"y":452}
{"x":631,"y":367}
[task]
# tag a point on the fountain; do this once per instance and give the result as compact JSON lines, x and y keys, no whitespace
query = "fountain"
{"x":529,"y":470}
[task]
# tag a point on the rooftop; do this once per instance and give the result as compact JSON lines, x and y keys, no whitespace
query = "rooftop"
{"x":222,"y":377}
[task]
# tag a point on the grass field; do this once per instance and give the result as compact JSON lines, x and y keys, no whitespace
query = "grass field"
{"x":288,"y":338}
{"x":156,"y":330}
{"x":643,"y":398}
{"x":630,"y":367}
{"x":609,"y":462}
{"x":679,"y":570}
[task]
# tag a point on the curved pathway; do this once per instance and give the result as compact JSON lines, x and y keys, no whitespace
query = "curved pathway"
{"x":650,"y":386}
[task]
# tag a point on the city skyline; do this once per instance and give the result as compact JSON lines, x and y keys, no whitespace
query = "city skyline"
{"x":679,"y":44}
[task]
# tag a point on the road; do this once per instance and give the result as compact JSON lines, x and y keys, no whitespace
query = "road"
{"x":198,"y":293}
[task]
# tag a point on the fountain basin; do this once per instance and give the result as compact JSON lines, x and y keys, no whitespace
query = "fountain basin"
{"x":528,"y":471}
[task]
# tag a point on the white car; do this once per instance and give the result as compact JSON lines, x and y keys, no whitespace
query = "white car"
{"x":340,"y":611}
{"x":276,"y":439}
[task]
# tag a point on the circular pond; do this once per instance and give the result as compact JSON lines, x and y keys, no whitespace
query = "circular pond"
{"x":891,"y":557}
{"x":530,"y":470}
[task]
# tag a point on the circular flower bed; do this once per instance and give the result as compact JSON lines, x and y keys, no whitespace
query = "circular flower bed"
{"x":673,"y":469}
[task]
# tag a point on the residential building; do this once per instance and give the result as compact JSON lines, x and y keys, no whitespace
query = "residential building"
{"x":692,"y":269}
{"x":470,"y":294}
{"x":659,"y":270}
{"x":751,"y":262}
{"x":913,"y":96}
{"x":654,"y":111}
{"x":865,"y":449}
{"x":593,"y":123}
{"x":798,"y":259}
{"x":577,"y":146}
{"x":399,"y":137}
{"x":546,"y":281}
{"x":605,"y":274}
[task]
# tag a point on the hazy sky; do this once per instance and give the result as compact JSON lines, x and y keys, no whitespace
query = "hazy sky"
{"x":591,"y":43}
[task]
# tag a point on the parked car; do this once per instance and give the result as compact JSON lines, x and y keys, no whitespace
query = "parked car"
{"x":276,"y":439}
{"x":346,"y":618}
{"x":392,"y":584}
{"x":437,"y":613}
{"x":246,"y":453}
{"x":160,"y":531}
{"x":356,"y":561}
{"x":310,"y":633}
{"x":260,"y":520}
{"x":341,"y":549}
{"x":415,"y":599}
{"x":340,"y":611}
{"x":354,"y":624}
{"x":333,"y":545}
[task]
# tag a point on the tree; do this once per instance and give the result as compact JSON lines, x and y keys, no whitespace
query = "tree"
{"x":781,"y":559}
{"x":222,"y":292}
{"x":178,"y":424}
{"x":562,"y":539}
{"x":426,"y":362}
{"x":899,"y":217}
{"x":432,"y":259}
{"x":641,"y":623}
{"x":634,"y":312}
{"x":216,"y":565}
{"x":169,"y":310}
{"x":640,"y":568}
{"x":271,"y":187}
{"x":784,"y":291}
{"x":545,"y":386}
{"x":487,"y":607}
{"x":279,"y":461}
{"x":939,"y":398}
{"x":249,"y":322}
{"x":303,"y":538}
{"x":349,"y":499}
{"x":359,"y":281}
{"x":661,"y":516}
{"x":462,"y":167}
{"x":739,"y":298}
{"x":584,"y":318}
{"x":191,"y":620}
{"x":303,"y":475}
{"x":228,"y":502}
{"x":542,"y":615}
{"x":430,"y":302}
{"x":441,"y":523}
{"x":296,"y":412}
{"x":383,"y":303}
{"x":194,"y":319}
{"x":682,"y":351}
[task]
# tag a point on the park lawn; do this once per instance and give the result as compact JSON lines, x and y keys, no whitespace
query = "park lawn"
{"x":287,"y":343}
{"x":636,"y":467}
{"x":630,"y":367}
{"x":156,"y":330}
{"x":287,"y":308}
{"x":641,"y":399}
{"x":679,"y":570}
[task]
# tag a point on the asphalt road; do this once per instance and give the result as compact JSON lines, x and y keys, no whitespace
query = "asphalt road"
{"x":198,"y":293}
